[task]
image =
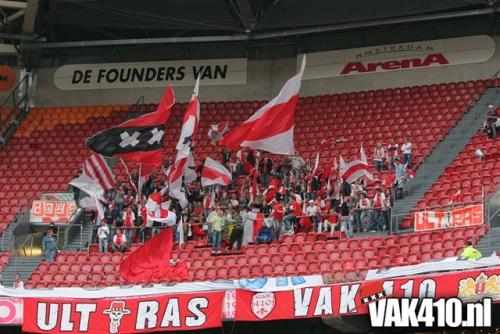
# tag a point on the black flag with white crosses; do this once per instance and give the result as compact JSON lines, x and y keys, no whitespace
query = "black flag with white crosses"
{"x":139,"y":139}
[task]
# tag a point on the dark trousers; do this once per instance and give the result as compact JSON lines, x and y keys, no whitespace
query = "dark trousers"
{"x":236,"y":235}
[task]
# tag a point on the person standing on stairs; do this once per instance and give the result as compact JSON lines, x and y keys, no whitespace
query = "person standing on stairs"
{"x":49,"y":246}
{"x":491,"y":122}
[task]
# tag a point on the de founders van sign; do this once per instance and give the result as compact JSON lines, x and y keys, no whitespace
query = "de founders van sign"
{"x":399,"y":57}
{"x":151,"y":74}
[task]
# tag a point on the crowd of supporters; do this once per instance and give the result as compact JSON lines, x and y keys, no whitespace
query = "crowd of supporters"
{"x":267,"y":199}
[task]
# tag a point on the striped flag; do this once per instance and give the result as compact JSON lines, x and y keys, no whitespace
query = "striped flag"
{"x":97,"y":168}
{"x":214,"y":173}
{"x":182,"y":170}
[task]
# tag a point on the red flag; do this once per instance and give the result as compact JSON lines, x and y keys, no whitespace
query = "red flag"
{"x":151,"y":261}
{"x":271,"y":127}
{"x":139,"y":139}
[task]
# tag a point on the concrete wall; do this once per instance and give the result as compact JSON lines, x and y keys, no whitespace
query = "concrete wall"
{"x":265,"y":78}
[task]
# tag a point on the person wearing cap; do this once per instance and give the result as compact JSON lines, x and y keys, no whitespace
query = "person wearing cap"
{"x":491,"y":121}
{"x":469,"y":252}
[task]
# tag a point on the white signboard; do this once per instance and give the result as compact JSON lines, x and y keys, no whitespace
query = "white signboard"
{"x":151,"y":74}
{"x":398,"y":57}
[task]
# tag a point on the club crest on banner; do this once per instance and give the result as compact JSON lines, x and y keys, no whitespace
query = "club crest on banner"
{"x":262,"y":304}
{"x":116,"y":311}
{"x":482,"y":286}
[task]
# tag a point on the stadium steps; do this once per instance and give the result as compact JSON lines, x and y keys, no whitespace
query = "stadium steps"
{"x":443,"y":155}
{"x":23,"y":265}
{"x":7,"y":236}
{"x":490,"y":242}
{"x":76,"y":243}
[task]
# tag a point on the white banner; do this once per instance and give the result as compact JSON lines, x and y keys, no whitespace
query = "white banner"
{"x":449,"y":264}
{"x":398,"y":57}
{"x":151,"y":74}
{"x":258,"y":284}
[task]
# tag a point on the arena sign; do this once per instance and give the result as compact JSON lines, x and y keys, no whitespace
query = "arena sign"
{"x":399,"y":57}
{"x":151,"y":74}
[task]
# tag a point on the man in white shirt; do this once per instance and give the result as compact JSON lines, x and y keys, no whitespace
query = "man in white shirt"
{"x":406,"y":150}
{"x":364,"y":205}
{"x":103,"y":236}
{"x":312,"y":213}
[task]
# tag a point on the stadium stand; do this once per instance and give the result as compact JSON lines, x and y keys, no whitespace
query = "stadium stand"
{"x":303,"y":254}
{"x":49,"y":142}
{"x":465,"y":176}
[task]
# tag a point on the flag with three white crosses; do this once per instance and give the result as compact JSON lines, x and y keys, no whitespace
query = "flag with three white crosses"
{"x":139,"y":139}
{"x":372,"y":291}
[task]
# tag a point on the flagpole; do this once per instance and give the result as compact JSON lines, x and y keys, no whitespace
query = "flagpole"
{"x":128,"y":173}
{"x":139,"y":186}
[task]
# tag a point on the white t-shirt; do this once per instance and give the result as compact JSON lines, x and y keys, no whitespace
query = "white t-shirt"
{"x":312,"y":210}
{"x":103,"y":232}
{"x":406,"y":148}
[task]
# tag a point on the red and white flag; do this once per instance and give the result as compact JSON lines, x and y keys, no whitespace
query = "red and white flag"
{"x":354,"y":170}
{"x":97,"y":168}
{"x":271,"y":127}
{"x":182,"y":170}
{"x":214,"y":173}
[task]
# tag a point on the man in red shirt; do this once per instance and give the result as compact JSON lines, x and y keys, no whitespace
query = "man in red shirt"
{"x":277,"y":214}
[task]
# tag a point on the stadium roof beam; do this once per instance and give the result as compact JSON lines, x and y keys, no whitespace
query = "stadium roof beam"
{"x":245,"y":14}
{"x":13,"y":4}
{"x":278,"y":34}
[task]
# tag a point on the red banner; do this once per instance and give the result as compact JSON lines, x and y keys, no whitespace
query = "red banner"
{"x":347,"y":299}
{"x":125,"y":315}
{"x":433,"y":220}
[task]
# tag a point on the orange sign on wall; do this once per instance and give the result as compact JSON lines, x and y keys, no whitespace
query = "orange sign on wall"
{"x":7,"y":77}
{"x":434,"y":220}
{"x":52,"y":211}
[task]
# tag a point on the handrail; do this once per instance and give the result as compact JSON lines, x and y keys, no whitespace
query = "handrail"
{"x":72,"y":222}
{"x":14,"y":90}
{"x":21,"y":246}
{"x":15,"y":105}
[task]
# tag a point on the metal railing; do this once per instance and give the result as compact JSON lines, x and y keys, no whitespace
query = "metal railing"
{"x":74,"y":227}
{"x":19,"y":97}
